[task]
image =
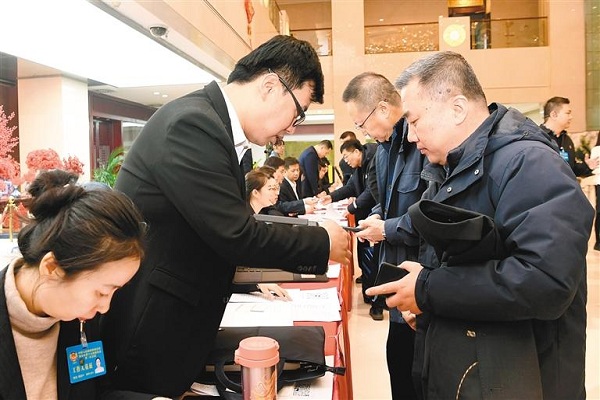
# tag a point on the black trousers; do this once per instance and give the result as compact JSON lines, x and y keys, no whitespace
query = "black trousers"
{"x":400,"y":351}
{"x":597,"y":222}
{"x":367,"y":261}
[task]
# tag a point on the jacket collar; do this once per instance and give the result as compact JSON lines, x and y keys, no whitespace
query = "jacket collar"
{"x":11,"y":381}
{"x":215,"y":96}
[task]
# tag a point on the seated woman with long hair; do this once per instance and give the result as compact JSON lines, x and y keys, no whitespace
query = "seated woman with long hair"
{"x":262,"y":191}
{"x":79,"y":247}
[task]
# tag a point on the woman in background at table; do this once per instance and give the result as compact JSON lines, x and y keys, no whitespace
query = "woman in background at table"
{"x":262,"y":191}
{"x":77,"y":250}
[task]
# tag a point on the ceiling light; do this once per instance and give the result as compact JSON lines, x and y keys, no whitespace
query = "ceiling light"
{"x":91,"y":44}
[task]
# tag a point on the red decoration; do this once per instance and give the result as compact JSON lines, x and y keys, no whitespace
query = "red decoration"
{"x":7,"y":141}
{"x":73,"y":164}
{"x":249,"y":15}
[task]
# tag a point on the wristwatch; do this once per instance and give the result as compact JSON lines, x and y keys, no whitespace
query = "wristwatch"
{"x":383,"y":232}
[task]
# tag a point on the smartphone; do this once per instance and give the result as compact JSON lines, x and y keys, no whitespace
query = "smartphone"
{"x":352,"y":228}
{"x":389,"y":273}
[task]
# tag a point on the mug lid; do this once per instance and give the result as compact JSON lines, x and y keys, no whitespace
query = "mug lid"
{"x":257,"y":351}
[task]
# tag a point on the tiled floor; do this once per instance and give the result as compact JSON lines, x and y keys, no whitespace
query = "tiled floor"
{"x":367,"y":341}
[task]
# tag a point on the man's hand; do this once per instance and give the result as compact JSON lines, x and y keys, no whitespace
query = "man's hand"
{"x":372,"y":229}
{"x":325,"y":200}
{"x":592,"y":163}
{"x":410,"y":318}
{"x":403,"y":290}
{"x":273,"y":291}
{"x":339,"y":250}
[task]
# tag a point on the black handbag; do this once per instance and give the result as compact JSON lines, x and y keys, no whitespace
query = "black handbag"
{"x":301,"y":355}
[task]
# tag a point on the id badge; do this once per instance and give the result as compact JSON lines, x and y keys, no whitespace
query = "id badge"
{"x":85,"y":362}
{"x":564,"y":155}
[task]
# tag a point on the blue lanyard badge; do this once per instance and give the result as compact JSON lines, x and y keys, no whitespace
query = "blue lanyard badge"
{"x":564,"y":155}
{"x":86,"y":360}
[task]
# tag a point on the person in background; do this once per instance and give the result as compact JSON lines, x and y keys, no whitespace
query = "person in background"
{"x":323,"y":184}
{"x":344,"y":167}
{"x":183,"y":173}
{"x":557,"y":118}
{"x":79,"y":247}
{"x":278,"y":149}
{"x":278,"y":166}
{"x":291,"y":202}
{"x":375,"y":107}
{"x":309,"y":167}
{"x":597,"y":219}
{"x":362,"y":160}
{"x":507,"y":316}
{"x":262,"y":191}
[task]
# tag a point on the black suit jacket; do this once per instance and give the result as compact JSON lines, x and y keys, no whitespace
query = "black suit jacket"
{"x":184,"y":175}
{"x":309,"y":167}
{"x":359,"y":185}
{"x":11,"y":380}
{"x":287,"y":202}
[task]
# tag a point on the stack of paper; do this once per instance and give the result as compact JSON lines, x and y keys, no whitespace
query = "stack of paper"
{"x":306,"y":305}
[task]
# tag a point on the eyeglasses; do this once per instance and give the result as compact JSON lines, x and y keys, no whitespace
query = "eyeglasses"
{"x":301,"y":116}
{"x":360,"y":127}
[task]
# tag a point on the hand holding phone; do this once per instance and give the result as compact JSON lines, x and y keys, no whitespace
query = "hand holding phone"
{"x":353,"y":228}
{"x":389,"y":273}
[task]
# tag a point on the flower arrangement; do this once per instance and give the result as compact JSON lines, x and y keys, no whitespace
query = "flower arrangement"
{"x":10,"y":170}
{"x":45,"y":159}
{"x":9,"y":167}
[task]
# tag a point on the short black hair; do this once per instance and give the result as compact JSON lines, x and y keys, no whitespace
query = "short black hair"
{"x":294,"y":60}
{"x":326,"y":143}
{"x":351,"y":145}
{"x":289,"y":161}
{"x":553,"y":104}
{"x":348,"y":134}
{"x":274,"y":162}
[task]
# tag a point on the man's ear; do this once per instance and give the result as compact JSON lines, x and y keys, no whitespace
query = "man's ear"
{"x":267,"y":83}
{"x":49,"y":267}
{"x":384,"y":106}
{"x":460,"y":108}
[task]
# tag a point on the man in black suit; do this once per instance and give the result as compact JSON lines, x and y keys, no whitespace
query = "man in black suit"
{"x":183,"y":173}
{"x":290,"y":201}
{"x":360,"y":187}
{"x":344,"y":167}
{"x":309,"y":166}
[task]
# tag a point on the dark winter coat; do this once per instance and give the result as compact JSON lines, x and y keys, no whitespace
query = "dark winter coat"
{"x":511,"y":327}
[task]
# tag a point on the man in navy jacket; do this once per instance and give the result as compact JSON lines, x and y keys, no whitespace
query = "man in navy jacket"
{"x":511,"y":323}
{"x":375,"y":106}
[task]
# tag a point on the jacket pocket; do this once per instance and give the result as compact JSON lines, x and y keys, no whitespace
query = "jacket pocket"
{"x":409,"y":182}
{"x":171,"y":284}
{"x":482,"y":360}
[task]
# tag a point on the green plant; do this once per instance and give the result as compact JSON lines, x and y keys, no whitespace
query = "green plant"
{"x":585,"y":147}
{"x":108,"y":173}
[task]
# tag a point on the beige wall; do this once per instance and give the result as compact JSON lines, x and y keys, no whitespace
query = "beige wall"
{"x":58,"y":119}
{"x":519,"y":75}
